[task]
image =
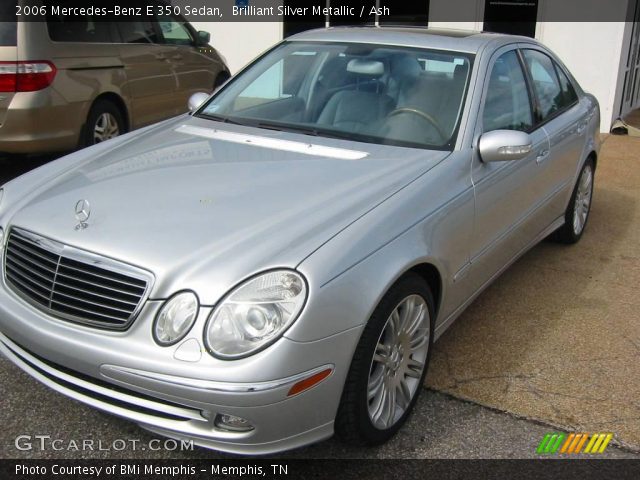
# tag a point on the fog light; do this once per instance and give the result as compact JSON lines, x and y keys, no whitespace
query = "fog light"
{"x":232,"y":423}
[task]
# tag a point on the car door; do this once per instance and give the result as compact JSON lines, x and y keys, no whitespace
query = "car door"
{"x":194,"y":70}
{"x":564,"y":118}
{"x":507,"y":194}
{"x":151,"y":83}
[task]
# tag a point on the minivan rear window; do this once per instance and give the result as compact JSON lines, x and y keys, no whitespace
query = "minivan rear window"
{"x":8,"y":34}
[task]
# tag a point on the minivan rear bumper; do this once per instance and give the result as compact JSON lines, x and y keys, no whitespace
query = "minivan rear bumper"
{"x":41,"y":121}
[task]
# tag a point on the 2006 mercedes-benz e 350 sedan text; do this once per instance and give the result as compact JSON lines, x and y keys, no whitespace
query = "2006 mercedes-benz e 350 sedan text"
{"x":275,"y":266}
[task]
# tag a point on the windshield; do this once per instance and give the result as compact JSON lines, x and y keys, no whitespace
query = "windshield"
{"x":363,"y":92}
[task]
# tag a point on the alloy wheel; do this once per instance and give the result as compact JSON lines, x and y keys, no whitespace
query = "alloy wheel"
{"x":583,"y":200}
{"x":106,"y":127}
{"x":398,"y":362}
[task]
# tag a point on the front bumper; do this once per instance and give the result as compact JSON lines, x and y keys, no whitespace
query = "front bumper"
{"x":126,"y":374}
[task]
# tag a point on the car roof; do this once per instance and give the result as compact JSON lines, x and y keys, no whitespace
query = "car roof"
{"x":437,"y":38}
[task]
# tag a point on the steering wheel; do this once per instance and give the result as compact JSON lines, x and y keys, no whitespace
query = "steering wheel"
{"x":424,"y":115}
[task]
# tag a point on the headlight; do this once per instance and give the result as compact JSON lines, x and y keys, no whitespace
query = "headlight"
{"x":175,"y":318}
{"x":1,"y":195}
{"x":255,"y":314}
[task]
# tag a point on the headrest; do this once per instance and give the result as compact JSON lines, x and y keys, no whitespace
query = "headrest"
{"x":460,"y":72}
{"x":405,"y":67}
{"x":366,"y":67}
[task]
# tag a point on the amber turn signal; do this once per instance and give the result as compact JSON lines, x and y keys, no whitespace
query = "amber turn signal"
{"x":309,"y":382}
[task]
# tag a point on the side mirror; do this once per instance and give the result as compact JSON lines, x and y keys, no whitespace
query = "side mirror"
{"x":504,"y":145}
{"x":203,"y":38}
{"x":196,"y":100}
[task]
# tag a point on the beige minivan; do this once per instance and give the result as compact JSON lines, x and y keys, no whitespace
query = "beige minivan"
{"x":72,"y":82}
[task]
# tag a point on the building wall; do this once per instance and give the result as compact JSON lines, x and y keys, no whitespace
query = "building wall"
{"x":241,"y":42}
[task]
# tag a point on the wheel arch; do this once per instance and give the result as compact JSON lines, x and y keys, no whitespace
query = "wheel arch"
{"x":431,"y":275}
{"x":119,"y":102}
{"x":593,"y":156}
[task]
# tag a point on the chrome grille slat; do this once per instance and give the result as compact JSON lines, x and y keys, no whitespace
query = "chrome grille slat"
{"x":93,"y":284}
{"x":30,"y":250}
{"x":27,"y":259}
{"x":88,"y":302}
{"x":29,"y":279}
{"x":19,"y":264}
{"x":73,"y":284}
{"x":94,"y":294}
{"x":30,"y":289}
{"x":103,"y":277}
{"x":82,"y":310}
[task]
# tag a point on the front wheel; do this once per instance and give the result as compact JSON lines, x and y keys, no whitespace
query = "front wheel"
{"x":389,"y":365}
{"x":579,"y":207}
{"x":104,"y":122}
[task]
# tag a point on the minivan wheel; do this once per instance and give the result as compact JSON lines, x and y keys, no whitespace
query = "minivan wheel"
{"x":388,"y":368}
{"x":579,"y":207}
{"x":104,"y":122}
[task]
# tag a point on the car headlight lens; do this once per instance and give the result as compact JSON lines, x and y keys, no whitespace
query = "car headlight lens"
{"x":175,"y":318}
{"x":1,"y":195}
{"x":255,"y":314}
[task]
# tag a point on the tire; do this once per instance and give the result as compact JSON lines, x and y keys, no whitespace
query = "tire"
{"x":577,"y":213}
{"x":356,"y":421}
{"x":221,"y":79}
{"x":106,"y":116}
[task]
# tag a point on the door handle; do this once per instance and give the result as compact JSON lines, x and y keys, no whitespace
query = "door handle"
{"x":177,"y":56}
{"x":160,"y":56}
{"x":542,"y":154}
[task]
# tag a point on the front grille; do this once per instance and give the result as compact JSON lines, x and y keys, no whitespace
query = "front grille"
{"x":73,"y":284}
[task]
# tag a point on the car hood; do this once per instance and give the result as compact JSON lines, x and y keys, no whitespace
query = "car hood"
{"x":203,"y":205}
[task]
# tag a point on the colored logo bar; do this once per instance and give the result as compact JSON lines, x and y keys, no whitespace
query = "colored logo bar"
{"x":574,"y":443}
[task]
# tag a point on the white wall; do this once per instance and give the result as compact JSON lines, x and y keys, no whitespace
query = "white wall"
{"x":241,"y":42}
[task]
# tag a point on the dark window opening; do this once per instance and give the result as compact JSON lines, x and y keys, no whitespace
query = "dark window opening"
{"x":293,"y":24}
{"x":515,"y":17}
{"x":407,"y":13}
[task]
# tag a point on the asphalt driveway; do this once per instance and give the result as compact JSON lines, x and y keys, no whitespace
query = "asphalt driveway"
{"x":554,"y":344}
{"x":557,"y":337}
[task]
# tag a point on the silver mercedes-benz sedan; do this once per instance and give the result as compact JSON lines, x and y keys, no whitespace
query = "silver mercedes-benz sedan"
{"x":275,"y":266}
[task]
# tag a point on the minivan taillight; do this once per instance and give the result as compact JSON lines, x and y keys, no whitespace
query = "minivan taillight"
{"x":26,"y":76}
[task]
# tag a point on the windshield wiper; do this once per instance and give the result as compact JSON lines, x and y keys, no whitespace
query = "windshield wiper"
{"x":220,"y":118}
{"x":316,"y":132}
{"x":287,"y":128}
{"x":305,"y":130}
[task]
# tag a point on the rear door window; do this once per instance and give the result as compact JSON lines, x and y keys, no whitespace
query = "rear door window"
{"x":545,"y":83}
{"x":138,"y":31}
{"x":80,"y":29}
{"x":8,"y":34}
{"x":175,"y":33}
{"x":568,"y":92}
